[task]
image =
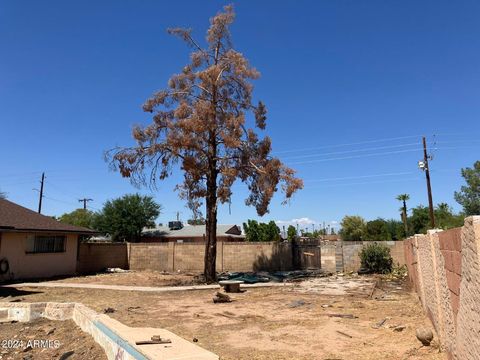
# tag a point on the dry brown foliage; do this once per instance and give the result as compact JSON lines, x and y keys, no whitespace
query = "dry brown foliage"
{"x":199,"y":123}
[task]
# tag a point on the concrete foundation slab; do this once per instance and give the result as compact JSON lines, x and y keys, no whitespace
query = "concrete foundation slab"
{"x":117,"y":339}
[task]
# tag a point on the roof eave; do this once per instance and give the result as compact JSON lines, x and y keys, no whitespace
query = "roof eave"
{"x":24,"y":230}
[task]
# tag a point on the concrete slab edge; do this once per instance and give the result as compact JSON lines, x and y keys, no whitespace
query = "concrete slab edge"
{"x":139,"y":288}
{"x":89,"y":321}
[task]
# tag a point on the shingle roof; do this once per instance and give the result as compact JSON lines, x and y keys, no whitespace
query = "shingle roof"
{"x":14,"y":217}
{"x":192,"y":231}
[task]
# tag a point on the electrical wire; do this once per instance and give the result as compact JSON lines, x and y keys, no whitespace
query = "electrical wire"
{"x":360,"y":177}
{"x":351,"y":151}
{"x":363,"y":183}
{"x":376,"y":154}
{"x":355,"y":156}
{"x":349,"y":144}
{"x":59,"y":189}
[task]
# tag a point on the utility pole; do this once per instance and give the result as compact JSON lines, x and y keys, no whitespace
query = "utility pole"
{"x":41,"y":194}
{"x":84,"y":200}
{"x":424,"y":166}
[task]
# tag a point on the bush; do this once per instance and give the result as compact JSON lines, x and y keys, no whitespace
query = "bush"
{"x":376,"y":258}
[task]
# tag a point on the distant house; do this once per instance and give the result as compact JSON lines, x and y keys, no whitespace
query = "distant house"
{"x":175,"y":231}
{"x":331,"y":237}
{"x":34,"y":245}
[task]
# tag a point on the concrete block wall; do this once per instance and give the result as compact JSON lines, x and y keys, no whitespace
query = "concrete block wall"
{"x":154,"y":256}
{"x":444,"y":267}
{"x":397,"y":251}
{"x":351,"y":258}
{"x":339,"y":256}
{"x":233,"y":256}
{"x":450,"y":245}
{"x":327,"y":256}
{"x":256,"y":256}
{"x":189,"y":256}
{"x":96,"y":257}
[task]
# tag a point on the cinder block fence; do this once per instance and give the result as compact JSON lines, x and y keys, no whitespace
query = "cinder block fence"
{"x":444,"y":267}
{"x":231,"y":256}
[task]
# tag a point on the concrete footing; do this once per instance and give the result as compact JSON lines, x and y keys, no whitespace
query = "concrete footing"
{"x":117,"y":339}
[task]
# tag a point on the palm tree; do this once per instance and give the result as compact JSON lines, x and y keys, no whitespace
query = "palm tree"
{"x":404,"y":198}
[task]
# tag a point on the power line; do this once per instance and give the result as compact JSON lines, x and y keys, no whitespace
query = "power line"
{"x":354,"y":157}
{"x":60,"y":201}
{"x":352,"y":151}
{"x":20,"y":183}
{"x":377,"y":154}
{"x":20,"y":174}
{"x":349,"y":144}
{"x":369,"y":142}
{"x":93,"y":207}
{"x":61,"y":190}
{"x":361,"y":176}
{"x":362,"y":183}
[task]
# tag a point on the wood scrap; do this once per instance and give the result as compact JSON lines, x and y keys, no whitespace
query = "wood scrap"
{"x":343,"y":316}
{"x":373,"y":290}
{"x":344,"y":334}
{"x":151,"y":342}
{"x":155,"y":339}
{"x":379,"y":324}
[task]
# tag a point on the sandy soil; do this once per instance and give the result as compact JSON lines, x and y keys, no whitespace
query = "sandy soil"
{"x":138,"y":278}
{"x":275,"y":323}
{"x":44,"y":339}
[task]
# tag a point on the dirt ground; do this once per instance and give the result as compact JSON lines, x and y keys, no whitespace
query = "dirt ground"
{"x":137,"y":278}
{"x":45,"y":339}
{"x":303,"y":321}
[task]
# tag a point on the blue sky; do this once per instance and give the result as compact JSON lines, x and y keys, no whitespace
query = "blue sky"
{"x":350,"y":88}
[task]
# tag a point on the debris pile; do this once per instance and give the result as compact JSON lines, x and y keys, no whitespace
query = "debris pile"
{"x":221,"y":298}
{"x":398,"y":273}
{"x":116,"y":270}
{"x":154,"y":340}
{"x":277,"y":276}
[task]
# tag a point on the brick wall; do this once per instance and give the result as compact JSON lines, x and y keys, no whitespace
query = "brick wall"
{"x":444,"y":267}
{"x":96,"y":257}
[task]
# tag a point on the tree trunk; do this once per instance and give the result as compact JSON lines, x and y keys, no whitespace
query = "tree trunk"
{"x":209,"y":270}
{"x":211,"y":229}
{"x":405,"y":224}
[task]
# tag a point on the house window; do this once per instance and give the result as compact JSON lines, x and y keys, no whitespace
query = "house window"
{"x":45,"y":244}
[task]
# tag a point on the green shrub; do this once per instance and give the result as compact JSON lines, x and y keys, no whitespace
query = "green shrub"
{"x":376,"y":258}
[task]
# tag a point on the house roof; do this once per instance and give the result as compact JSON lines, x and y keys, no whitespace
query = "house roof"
{"x":14,"y":217}
{"x":190,"y":231}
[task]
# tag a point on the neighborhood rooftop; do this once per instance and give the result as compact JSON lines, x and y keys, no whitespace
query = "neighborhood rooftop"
{"x":192,"y":231}
{"x":14,"y":217}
